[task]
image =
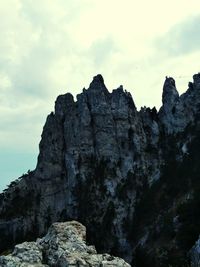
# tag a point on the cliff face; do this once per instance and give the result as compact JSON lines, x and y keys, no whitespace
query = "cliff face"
{"x":129,"y":176}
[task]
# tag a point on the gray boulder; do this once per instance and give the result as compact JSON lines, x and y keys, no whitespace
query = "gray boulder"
{"x":63,"y":246}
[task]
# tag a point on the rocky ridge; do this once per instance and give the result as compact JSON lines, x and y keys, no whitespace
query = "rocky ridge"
{"x":129,"y":176}
{"x":64,"y":245}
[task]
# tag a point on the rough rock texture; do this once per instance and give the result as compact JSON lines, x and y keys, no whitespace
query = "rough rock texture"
{"x":178,"y":112}
{"x":132,"y":177}
{"x":64,"y":245}
{"x":195,"y":254}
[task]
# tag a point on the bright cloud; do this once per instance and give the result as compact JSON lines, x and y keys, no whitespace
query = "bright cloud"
{"x":51,"y":47}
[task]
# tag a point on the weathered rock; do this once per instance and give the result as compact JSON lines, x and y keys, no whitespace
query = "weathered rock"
{"x":25,"y":254}
{"x":64,"y":245}
{"x":115,"y":169}
{"x":194,"y":254}
{"x":178,"y":112}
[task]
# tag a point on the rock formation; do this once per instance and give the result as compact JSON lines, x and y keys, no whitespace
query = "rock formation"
{"x":132,"y":177}
{"x":195,"y":254}
{"x":64,"y":245}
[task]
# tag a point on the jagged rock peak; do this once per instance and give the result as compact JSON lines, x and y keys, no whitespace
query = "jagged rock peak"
{"x":169,"y":81}
{"x":97,"y":83}
{"x":63,"y":104}
{"x":104,"y":163}
{"x":196,"y":79}
{"x":98,"y":78}
{"x":64,"y":245}
{"x":170,"y":94}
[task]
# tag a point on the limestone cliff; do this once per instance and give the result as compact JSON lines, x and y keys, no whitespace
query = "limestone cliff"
{"x":123,"y":173}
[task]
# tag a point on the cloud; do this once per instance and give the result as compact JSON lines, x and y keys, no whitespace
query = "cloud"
{"x":49,"y":48}
{"x":183,"y":38}
{"x":102,"y":50}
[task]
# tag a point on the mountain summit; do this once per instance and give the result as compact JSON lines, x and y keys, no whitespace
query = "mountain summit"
{"x":132,"y":177}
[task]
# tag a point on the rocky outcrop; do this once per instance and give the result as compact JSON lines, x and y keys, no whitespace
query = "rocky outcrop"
{"x":194,"y":254}
{"x":179,"y":111}
{"x":64,"y":245}
{"x":125,"y":174}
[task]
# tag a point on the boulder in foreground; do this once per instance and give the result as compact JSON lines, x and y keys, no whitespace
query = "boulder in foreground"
{"x":63,"y":246}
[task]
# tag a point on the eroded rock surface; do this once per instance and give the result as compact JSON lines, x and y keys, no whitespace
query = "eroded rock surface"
{"x":130,"y":176}
{"x":64,"y":245}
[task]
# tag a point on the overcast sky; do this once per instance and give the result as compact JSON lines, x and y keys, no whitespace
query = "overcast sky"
{"x":50,"y":47}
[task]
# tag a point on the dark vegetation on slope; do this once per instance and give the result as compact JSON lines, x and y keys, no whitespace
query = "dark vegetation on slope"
{"x":124,"y":174}
{"x":170,"y":207}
